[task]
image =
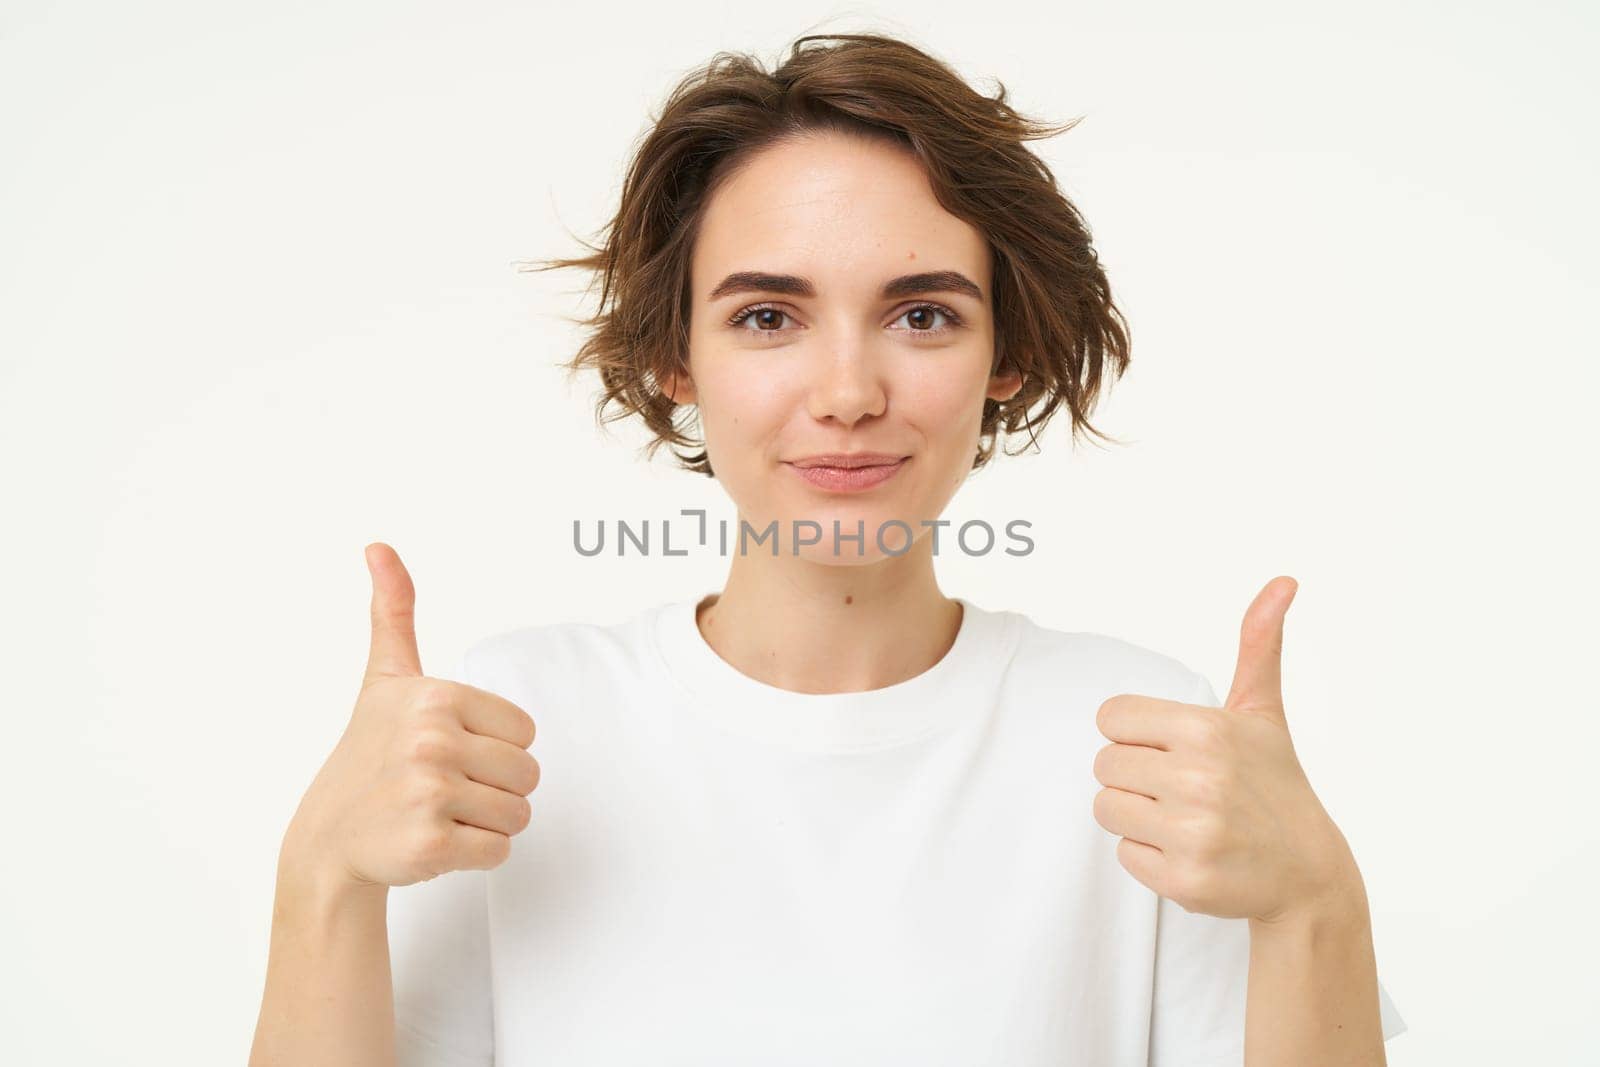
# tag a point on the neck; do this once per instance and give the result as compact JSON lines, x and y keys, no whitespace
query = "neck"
{"x":815,"y":627}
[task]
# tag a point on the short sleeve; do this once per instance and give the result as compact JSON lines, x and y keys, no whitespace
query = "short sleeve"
{"x":1202,"y":974}
{"x":439,"y":962}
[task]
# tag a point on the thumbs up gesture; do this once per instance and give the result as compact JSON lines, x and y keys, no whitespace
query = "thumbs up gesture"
{"x":430,"y":775}
{"x":1212,"y":805}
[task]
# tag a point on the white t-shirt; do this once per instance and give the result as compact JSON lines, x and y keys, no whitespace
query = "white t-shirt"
{"x":721,"y":872}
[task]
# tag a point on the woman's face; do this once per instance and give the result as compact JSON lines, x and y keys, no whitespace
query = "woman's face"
{"x":841,"y":357}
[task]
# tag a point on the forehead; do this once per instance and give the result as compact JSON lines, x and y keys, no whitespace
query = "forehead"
{"x":839,"y":208}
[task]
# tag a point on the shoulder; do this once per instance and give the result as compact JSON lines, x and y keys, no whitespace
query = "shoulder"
{"x":553,"y":653}
{"x":1091,"y":663}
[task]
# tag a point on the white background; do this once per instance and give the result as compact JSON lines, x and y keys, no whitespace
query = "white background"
{"x":259,"y":308}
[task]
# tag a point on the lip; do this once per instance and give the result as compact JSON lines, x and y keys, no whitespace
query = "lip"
{"x":848,"y":459}
{"x":856,"y":477}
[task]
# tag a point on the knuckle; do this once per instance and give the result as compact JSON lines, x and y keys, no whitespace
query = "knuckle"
{"x":1102,"y":717}
{"x":531,"y":776}
{"x":431,"y":746}
{"x":434,"y":698}
{"x":431,"y":849}
{"x":1205,"y":785}
{"x":1191,"y":886}
{"x":1102,"y":764}
{"x":430,"y":791}
{"x":497,"y":849}
{"x":1102,"y":806}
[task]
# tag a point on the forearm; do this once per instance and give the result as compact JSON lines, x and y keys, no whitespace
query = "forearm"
{"x":329,"y":998}
{"x":1313,"y":993}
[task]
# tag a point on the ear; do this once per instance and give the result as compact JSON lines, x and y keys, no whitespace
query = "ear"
{"x":678,"y":387}
{"x":1004,"y":386}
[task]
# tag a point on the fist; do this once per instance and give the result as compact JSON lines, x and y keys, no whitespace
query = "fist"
{"x":1213,"y":807}
{"x":429,"y":776}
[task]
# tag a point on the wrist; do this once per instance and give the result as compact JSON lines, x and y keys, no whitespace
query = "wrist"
{"x":313,"y":881}
{"x":1337,"y":903}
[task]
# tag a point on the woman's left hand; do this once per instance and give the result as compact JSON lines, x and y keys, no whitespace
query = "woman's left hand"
{"x":1213,"y":807}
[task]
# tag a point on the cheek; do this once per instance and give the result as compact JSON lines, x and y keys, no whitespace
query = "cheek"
{"x":739,"y":407}
{"x":947,"y":405}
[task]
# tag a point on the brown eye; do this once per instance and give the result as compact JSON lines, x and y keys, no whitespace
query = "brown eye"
{"x":764,"y":316}
{"x":922,"y":319}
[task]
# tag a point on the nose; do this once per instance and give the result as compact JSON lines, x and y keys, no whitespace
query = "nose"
{"x":847,"y":387}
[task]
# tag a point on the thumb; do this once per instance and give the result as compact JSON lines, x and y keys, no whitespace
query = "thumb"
{"x":1258,"y":675}
{"x":394,"y":636}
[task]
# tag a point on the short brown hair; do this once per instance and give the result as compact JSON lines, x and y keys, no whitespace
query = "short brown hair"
{"x":1055,"y":321}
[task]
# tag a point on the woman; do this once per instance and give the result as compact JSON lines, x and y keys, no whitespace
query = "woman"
{"x":828,"y":814}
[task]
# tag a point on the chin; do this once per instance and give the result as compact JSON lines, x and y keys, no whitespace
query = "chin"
{"x":823,"y":555}
{"x":850,"y":516}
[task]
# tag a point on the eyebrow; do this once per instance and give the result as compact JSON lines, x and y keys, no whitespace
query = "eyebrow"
{"x":933,"y":281}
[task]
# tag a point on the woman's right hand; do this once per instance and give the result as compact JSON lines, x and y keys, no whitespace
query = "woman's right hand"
{"x":430,"y":776}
